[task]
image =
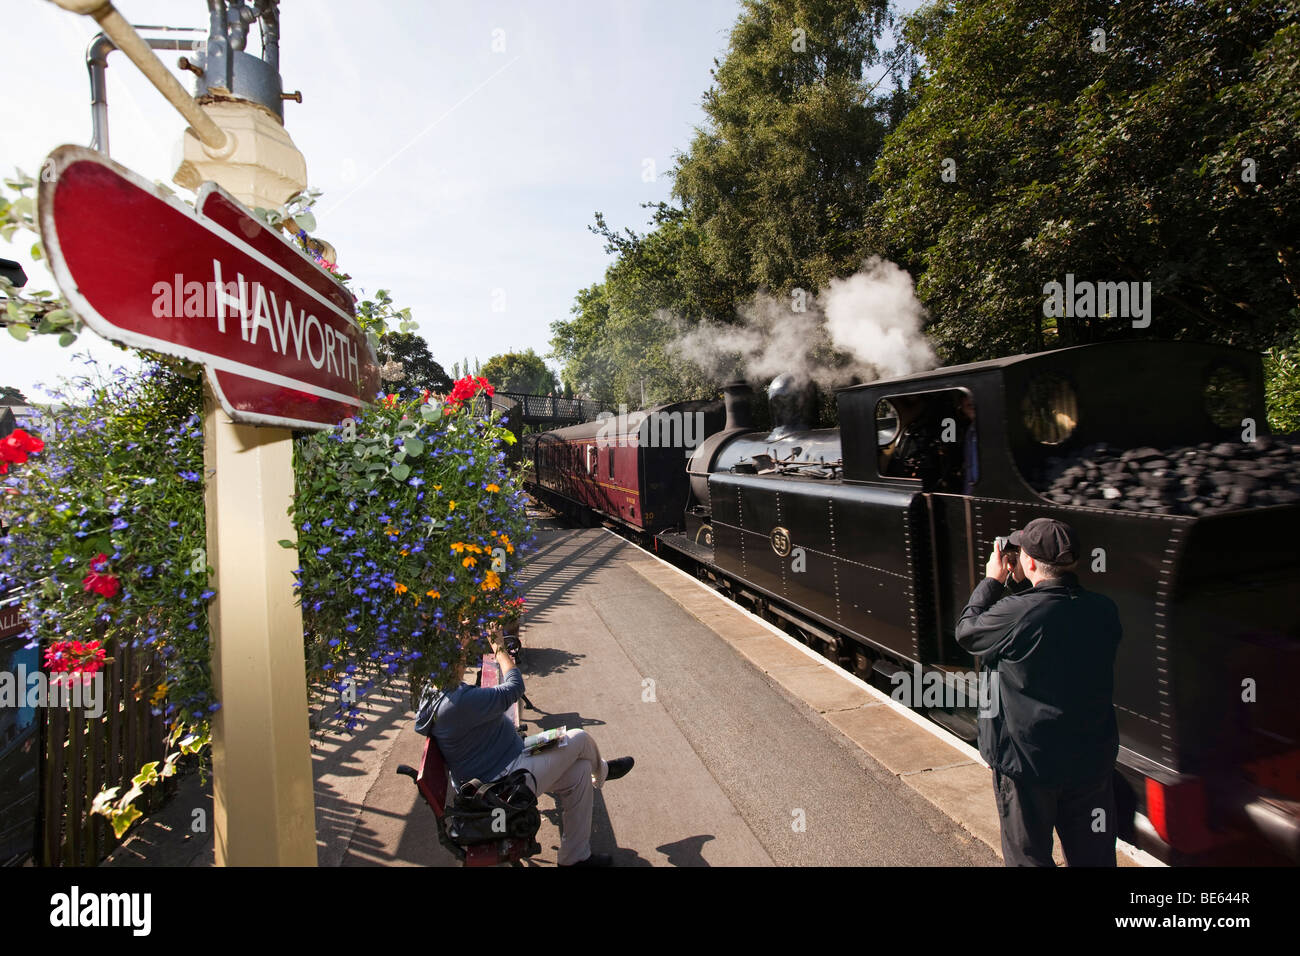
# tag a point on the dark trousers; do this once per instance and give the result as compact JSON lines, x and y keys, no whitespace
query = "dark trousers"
{"x":1083,"y":817}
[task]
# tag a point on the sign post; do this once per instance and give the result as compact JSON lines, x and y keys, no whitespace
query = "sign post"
{"x":281,"y":350}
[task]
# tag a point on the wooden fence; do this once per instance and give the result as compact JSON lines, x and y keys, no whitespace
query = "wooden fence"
{"x":82,"y":756}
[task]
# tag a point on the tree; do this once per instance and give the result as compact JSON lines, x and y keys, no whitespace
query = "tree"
{"x":1134,"y":141}
{"x":779,"y":180}
{"x":421,"y":371}
{"x":519,"y":372}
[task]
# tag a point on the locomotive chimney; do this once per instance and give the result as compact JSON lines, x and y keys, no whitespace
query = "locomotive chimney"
{"x":736,"y":395}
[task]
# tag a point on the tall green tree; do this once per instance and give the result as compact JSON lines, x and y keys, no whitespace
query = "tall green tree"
{"x":779,"y":177}
{"x":417,"y":362}
{"x":519,"y":372}
{"x":1115,"y":140}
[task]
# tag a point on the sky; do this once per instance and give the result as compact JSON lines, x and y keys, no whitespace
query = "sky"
{"x":462,"y":149}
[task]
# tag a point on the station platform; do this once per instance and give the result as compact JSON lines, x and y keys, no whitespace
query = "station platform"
{"x":750,"y":749}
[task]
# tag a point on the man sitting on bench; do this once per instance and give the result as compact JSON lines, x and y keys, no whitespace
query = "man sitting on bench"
{"x":478,"y":740}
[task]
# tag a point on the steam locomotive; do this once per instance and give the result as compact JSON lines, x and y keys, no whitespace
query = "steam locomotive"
{"x":866,"y":540}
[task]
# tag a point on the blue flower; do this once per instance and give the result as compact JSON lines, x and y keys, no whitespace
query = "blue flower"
{"x":189,"y":475}
{"x":323,"y":550}
{"x":120,"y":525}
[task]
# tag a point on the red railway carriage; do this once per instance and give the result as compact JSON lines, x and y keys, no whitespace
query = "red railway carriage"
{"x":630,"y":467}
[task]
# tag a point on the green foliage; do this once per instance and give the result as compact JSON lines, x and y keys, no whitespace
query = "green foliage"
{"x":409,"y":536}
{"x":1282,"y":382}
{"x":779,"y":179}
{"x":27,"y":313}
{"x":520,"y":372}
{"x":617,"y":344}
{"x":418,"y":365}
{"x":1117,"y":165}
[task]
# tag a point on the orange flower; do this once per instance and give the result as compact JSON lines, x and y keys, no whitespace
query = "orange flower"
{"x":391,"y":531}
{"x":493,"y":487}
{"x":400,"y":588}
{"x":468,"y":562}
{"x":452,"y":506}
{"x":490,"y":582}
{"x":433,"y":594}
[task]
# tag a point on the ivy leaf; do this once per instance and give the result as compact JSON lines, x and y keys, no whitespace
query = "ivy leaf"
{"x":123,"y":819}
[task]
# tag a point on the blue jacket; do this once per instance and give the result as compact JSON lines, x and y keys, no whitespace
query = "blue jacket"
{"x":478,"y":741}
{"x":1052,"y":648}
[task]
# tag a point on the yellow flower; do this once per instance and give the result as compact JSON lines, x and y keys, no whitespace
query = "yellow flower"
{"x":452,"y":506}
{"x":458,"y":547}
{"x":437,"y":487}
{"x":433,"y":594}
{"x":400,"y":588}
{"x":468,"y":562}
{"x":390,"y":531}
{"x":159,"y":694}
{"x":492,"y":487}
{"x":417,"y":599}
{"x":490,"y":582}
{"x":404,"y":552}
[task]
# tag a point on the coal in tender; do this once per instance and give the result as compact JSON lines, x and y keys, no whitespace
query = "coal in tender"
{"x":1208,"y":478}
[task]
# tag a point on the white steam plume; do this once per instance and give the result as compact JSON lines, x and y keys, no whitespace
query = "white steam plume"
{"x":867,"y":326}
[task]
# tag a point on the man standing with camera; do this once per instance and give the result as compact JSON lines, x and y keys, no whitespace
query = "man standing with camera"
{"x":1053,"y":740}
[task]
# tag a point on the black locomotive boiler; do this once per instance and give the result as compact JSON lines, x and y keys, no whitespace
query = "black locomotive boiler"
{"x":866,"y":541}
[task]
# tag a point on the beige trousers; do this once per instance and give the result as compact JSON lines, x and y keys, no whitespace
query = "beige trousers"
{"x":572,"y":773}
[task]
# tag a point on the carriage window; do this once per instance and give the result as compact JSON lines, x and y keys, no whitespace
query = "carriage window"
{"x":1227,"y":397}
{"x":593,"y":456}
{"x":1050,"y":408}
{"x":929,"y":437}
{"x":609,"y":452}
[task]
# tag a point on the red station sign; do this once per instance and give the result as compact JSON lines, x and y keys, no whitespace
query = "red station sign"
{"x":219,"y":287}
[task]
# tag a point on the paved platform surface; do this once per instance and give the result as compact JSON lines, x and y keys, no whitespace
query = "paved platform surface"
{"x":749,"y":750}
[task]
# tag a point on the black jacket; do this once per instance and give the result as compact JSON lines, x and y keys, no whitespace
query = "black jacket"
{"x":1052,"y":648}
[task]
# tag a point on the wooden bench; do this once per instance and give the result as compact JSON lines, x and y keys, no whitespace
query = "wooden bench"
{"x":431,"y":780}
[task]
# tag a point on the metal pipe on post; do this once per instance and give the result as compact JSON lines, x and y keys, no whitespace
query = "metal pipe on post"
{"x":137,"y":50}
{"x":97,"y":63}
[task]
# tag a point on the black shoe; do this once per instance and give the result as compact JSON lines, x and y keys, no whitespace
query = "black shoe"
{"x":618,"y":767}
{"x":596,"y":859}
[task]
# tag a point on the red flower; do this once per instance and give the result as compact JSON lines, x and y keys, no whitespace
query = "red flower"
{"x":103,"y":584}
{"x":467,"y":387}
{"x":17,"y":446}
{"x":74,"y":657}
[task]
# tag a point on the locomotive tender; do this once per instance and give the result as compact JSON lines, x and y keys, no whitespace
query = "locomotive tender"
{"x":865,"y":541}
